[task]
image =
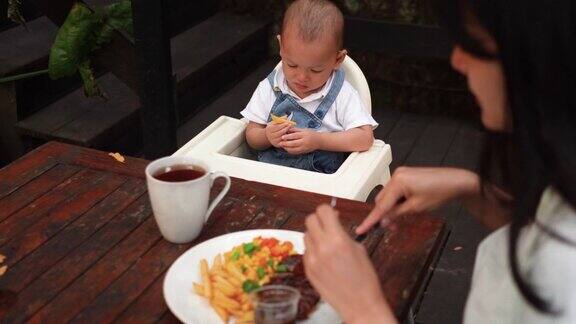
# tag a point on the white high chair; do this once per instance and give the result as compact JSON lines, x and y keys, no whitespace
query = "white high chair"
{"x":222,"y":146}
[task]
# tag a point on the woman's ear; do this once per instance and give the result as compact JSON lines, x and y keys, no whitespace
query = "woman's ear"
{"x":340,"y":57}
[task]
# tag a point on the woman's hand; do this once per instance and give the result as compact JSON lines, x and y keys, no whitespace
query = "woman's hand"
{"x":341,"y":272}
{"x":300,"y":141}
{"x":416,"y":190}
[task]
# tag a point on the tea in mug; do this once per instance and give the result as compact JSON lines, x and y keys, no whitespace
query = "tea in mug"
{"x":179,"y":173}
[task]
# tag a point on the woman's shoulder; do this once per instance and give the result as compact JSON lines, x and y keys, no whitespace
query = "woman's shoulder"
{"x":552,"y":264}
{"x":553,"y":276}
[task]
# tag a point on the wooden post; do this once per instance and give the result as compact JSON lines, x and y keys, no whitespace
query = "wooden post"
{"x":11,"y":146}
{"x":156,"y":89}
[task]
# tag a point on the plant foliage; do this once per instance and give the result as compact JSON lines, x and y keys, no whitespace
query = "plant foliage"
{"x":83,"y":32}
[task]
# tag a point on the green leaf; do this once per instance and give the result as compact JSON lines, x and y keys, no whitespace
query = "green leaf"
{"x":105,"y":31}
{"x":271,"y":263}
{"x":91,"y":88}
{"x":235,"y":255}
{"x":117,"y":16}
{"x":120,"y":16}
{"x":73,"y":42}
{"x":249,"y":286}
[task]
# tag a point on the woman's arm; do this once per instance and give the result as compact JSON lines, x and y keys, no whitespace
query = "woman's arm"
{"x":416,"y":190}
{"x":493,"y":208}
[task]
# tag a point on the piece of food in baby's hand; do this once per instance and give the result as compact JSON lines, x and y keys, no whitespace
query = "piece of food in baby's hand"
{"x":281,"y":120}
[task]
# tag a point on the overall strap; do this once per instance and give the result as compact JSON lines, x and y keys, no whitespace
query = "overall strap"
{"x":270,"y":78}
{"x":327,"y":102}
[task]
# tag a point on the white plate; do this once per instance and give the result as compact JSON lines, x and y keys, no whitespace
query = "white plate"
{"x":191,"y":308}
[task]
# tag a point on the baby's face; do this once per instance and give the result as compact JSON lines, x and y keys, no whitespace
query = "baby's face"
{"x":308,"y":65}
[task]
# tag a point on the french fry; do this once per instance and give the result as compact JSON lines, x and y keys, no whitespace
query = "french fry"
{"x":206,"y":278}
{"x":244,"y":299}
{"x":223,"y":313}
{"x":220,"y":273}
{"x":199,"y":289}
{"x":217,"y":263}
{"x":237,"y":313}
{"x":225,"y":289}
{"x":234,"y":271}
{"x":225,"y":282}
{"x":221,"y":282}
{"x":235,"y":282}
{"x":226,"y":302}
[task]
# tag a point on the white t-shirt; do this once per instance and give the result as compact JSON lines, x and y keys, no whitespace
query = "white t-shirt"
{"x":546,"y":263}
{"x":346,"y":112}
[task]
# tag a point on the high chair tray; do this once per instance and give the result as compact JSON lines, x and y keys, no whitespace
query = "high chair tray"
{"x":223,"y":147}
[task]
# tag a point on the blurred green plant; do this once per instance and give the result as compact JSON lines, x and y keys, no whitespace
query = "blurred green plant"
{"x":84,"y":31}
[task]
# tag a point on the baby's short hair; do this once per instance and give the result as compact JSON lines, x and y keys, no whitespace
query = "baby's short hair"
{"x":314,"y":19}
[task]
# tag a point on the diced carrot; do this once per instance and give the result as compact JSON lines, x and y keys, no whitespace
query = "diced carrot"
{"x":276,"y":250}
{"x":269,"y":242}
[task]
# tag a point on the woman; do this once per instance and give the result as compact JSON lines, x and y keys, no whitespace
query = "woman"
{"x":520,"y":61}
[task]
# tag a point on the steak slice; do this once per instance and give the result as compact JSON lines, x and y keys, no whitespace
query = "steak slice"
{"x":296,"y":278}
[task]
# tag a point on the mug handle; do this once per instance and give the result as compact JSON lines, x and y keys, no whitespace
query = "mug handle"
{"x":214,"y":176}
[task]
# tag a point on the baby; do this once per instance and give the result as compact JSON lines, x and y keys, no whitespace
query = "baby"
{"x":324,"y":115}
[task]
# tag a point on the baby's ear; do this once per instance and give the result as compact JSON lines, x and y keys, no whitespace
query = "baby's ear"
{"x":279,"y":38}
{"x":340,"y":57}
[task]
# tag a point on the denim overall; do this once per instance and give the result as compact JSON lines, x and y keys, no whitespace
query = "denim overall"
{"x":286,"y":105}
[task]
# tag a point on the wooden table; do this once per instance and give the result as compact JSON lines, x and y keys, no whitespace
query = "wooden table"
{"x":81,"y":243}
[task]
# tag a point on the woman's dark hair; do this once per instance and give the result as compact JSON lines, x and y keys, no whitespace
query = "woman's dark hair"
{"x":536,"y":44}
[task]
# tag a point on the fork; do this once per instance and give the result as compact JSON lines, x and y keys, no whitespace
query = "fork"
{"x":359,"y":237}
{"x":333,"y":202}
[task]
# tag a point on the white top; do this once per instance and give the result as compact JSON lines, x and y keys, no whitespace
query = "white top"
{"x":346,"y":112}
{"x":546,"y":263}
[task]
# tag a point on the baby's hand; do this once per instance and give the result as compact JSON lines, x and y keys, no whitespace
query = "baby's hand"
{"x":274,"y":132}
{"x":301,"y":141}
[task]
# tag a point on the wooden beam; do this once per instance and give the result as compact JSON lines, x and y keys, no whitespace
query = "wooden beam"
{"x":397,"y":39}
{"x":117,"y":57}
{"x":11,"y":144}
{"x":154,"y":62}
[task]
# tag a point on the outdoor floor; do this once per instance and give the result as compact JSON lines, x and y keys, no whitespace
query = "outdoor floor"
{"x":416,"y":140}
